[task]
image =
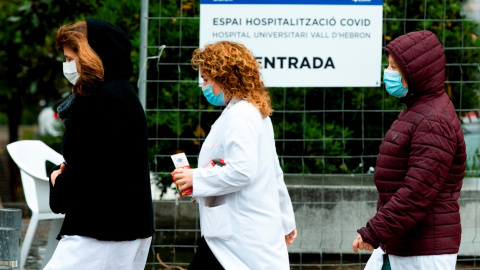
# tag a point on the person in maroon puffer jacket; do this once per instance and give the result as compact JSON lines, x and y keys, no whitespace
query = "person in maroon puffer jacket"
{"x":421,"y":165}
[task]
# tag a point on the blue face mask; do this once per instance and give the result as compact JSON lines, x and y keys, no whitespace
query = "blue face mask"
{"x":393,"y":83}
{"x":215,"y":100}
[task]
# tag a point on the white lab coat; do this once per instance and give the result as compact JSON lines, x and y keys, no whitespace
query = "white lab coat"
{"x":251,"y":211}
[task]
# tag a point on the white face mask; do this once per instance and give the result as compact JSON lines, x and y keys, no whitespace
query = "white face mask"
{"x":70,"y":71}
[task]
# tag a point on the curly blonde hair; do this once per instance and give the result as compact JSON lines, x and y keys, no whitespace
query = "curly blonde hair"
{"x":236,"y":69}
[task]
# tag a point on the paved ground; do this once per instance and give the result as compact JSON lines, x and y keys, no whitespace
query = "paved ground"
{"x":37,"y":250}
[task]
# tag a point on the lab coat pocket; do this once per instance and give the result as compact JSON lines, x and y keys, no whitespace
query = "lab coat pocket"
{"x":217,"y":222}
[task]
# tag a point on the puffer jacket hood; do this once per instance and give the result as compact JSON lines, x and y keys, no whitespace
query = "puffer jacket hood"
{"x":421,"y":58}
{"x":112,"y":46}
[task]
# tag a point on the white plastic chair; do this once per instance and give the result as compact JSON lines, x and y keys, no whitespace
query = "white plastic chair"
{"x":30,"y":157}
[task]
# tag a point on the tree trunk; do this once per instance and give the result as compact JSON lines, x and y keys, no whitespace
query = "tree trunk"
{"x":9,"y":243}
{"x":14,"y":114}
{"x":11,"y":218}
{"x":10,"y":229}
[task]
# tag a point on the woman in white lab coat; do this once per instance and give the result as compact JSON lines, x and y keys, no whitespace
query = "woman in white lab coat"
{"x":246,"y":215}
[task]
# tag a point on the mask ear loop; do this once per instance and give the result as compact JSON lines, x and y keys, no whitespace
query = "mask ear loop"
{"x":212,"y":89}
{"x":220,"y":91}
{"x":145,"y":64}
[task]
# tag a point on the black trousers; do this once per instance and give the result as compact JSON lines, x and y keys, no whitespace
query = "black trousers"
{"x":204,"y":258}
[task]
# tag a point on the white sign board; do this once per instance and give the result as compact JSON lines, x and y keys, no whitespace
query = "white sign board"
{"x":302,"y":43}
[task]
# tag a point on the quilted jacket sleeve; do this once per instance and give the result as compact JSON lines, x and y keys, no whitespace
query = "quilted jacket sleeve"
{"x":433,"y":145}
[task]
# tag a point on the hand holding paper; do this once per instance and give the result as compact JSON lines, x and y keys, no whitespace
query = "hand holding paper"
{"x":183,"y":179}
{"x":184,"y":187}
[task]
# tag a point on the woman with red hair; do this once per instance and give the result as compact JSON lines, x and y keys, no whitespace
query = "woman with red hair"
{"x":103,"y":187}
{"x":246,"y":215}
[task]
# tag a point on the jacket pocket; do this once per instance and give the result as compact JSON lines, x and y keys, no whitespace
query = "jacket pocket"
{"x":217,"y":222}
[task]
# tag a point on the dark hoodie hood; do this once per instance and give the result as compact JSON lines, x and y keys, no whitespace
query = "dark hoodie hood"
{"x":421,"y":58}
{"x":112,"y":46}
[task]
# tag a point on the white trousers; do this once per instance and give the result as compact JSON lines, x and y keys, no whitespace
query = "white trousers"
{"x":426,"y":262}
{"x":81,"y":253}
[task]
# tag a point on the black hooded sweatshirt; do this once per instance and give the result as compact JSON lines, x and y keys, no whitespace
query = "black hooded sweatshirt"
{"x":105,"y":190}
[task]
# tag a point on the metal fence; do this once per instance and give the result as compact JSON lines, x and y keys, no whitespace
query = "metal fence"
{"x":327,"y":138}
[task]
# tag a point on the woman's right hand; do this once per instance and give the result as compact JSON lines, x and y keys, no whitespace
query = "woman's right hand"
{"x":56,"y":173}
{"x":183,"y":178}
{"x":290,"y":237}
{"x":359,"y":244}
